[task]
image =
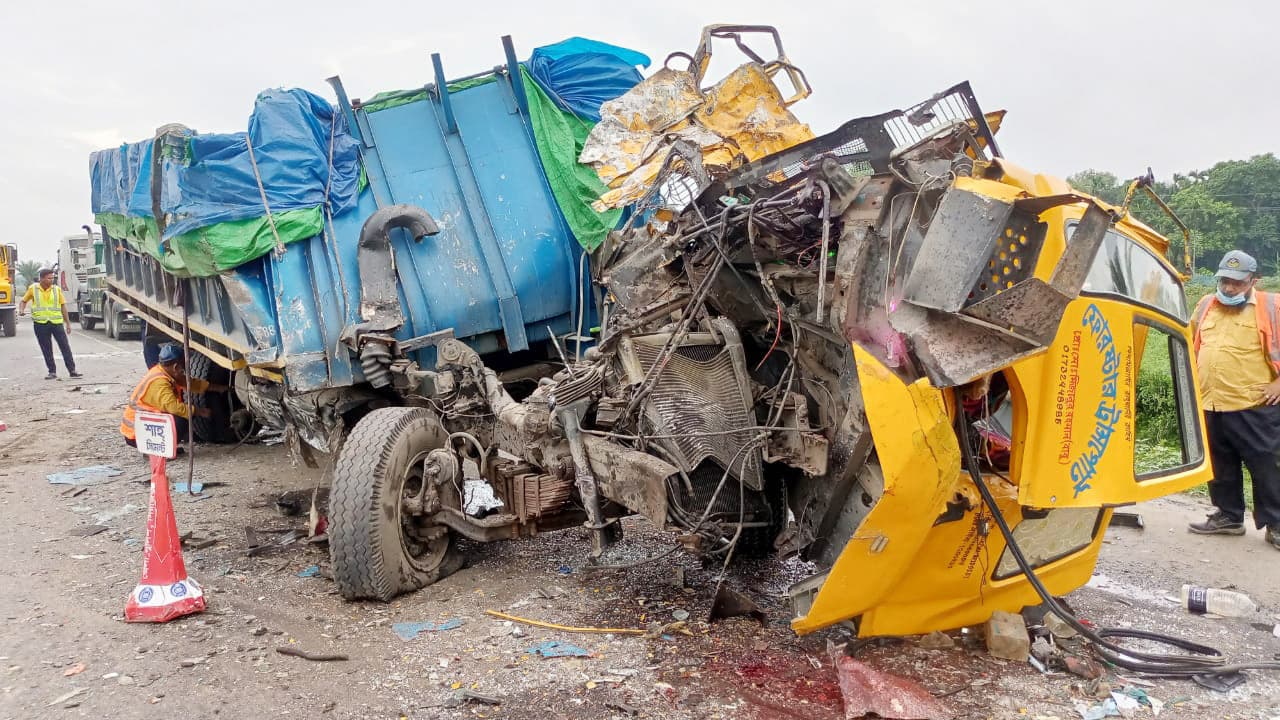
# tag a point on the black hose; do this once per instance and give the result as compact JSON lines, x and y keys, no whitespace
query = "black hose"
{"x":1206,"y":661}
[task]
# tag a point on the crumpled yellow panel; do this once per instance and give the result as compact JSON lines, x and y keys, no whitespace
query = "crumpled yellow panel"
{"x":747,"y":108}
{"x":624,"y":138}
{"x":741,"y":119}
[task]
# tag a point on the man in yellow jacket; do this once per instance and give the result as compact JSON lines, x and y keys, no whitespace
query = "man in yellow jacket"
{"x":49,"y":319}
{"x":158,"y":392}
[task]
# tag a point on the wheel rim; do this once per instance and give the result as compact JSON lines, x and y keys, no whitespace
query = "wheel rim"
{"x":425,"y":543}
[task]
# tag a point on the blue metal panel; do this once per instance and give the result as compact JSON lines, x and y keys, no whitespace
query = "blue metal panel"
{"x":503,"y":269}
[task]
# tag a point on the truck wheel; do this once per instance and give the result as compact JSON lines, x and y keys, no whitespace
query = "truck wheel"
{"x":109,"y":319}
{"x":381,"y":541}
{"x":86,"y":322}
{"x":8,"y":322}
{"x":217,"y":427}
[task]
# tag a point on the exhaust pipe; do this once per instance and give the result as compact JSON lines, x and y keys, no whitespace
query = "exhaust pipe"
{"x":379,"y":298}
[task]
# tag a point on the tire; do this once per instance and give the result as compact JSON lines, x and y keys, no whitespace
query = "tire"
{"x":377,"y":548}
{"x":217,"y":427}
{"x":8,"y":322}
{"x":87,"y":322}
{"x":109,"y":319}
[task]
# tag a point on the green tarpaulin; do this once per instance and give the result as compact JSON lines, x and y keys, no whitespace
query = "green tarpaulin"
{"x":560,"y":136}
{"x":396,"y":98}
{"x":215,"y":248}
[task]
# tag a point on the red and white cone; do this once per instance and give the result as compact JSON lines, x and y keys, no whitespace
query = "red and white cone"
{"x":165,"y":592}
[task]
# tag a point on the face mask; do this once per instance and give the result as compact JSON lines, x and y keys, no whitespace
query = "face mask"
{"x":1231,"y":300}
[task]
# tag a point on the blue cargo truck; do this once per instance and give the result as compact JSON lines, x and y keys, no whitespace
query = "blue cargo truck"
{"x":597,"y":293}
{"x":330,"y":260}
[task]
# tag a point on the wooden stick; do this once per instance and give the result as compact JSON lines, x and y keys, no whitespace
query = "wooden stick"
{"x":310,"y":656}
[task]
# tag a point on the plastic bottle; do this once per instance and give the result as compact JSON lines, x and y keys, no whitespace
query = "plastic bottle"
{"x":1226,"y":603}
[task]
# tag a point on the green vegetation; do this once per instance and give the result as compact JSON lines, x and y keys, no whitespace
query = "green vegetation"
{"x":1234,"y":204}
{"x":28,"y":270}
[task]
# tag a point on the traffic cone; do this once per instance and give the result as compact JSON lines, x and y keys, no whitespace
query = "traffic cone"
{"x":165,"y":592}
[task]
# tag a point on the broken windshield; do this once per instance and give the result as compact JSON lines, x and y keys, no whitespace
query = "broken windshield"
{"x":1126,"y":268}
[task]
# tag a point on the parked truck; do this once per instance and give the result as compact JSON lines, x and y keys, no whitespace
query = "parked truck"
{"x":600,"y":295}
{"x":75,"y":257}
{"x":95,"y":307}
{"x":8,"y":290}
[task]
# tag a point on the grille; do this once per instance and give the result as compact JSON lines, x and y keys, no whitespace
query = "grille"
{"x":698,"y":398}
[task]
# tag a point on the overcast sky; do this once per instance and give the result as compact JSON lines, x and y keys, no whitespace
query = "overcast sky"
{"x":1109,"y":85}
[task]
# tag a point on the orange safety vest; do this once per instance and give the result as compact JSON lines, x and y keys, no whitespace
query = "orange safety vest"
{"x":135,"y":400}
{"x":1267,"y":306}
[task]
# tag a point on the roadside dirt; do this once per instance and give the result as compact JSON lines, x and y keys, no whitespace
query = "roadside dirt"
{"x":62,"y":597}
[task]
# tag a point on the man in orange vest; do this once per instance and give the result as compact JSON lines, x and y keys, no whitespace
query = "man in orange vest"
{"x":1237,"y":343}
{"x":158,"y":392}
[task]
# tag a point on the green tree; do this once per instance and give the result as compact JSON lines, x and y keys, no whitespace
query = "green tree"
{"x":1215,"y":225}
{"x":29,"y":270}
{"x":1234,"y":204}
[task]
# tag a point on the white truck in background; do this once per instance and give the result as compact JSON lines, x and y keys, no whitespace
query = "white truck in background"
{"x":75,"y":257}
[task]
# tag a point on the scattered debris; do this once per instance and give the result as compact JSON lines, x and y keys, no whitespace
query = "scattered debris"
{"x":315,"y":657}
{"x":257,"y":544}
{"x":680,"y":614}
{"x":74,"y":491}
{"x":1042,"y":649}
{"x":1059,"y":627}
{"x":564,"y":570}
{"x":67,"y":696}
{"x":1216,"y":601}
{"x":1006,"y":635}
{"x":194,"y":542}
{"x":550,"y":592}
{"x":866,"y":690}
{"x":107,"y":516}
{"x":936,"y":640}
{"x":1126,"y":705}
{"x":1083,"y":667}
{"x":463,"y":695}
{"x":86,"y":530}
{"x":1097,"y":711}
{"x":191,"y":662}
{"x":411,"y":630}
{"x":731,"y":603}
{"x":622,"y":707}
{"x":556,"y":649}
{"x":91,"y":475}
{"x":1221,"y":682}
{"x":74,"y":670}
{"x":310,"y":572}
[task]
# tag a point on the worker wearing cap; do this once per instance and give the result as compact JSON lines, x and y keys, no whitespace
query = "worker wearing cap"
{"x":1237,"y":343}
{"x":50,"y":322}
{"x":158,"y":392}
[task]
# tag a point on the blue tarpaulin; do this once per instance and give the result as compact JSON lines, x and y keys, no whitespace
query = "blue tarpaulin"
{"x":215,"y":183}
{"x":581,"y":74}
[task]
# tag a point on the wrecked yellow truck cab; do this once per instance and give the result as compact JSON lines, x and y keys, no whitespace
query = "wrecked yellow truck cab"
{"x":926,"y":556}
